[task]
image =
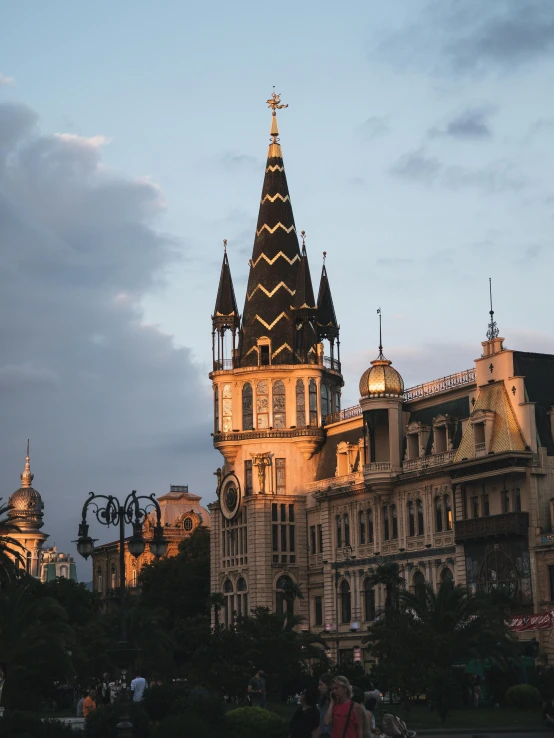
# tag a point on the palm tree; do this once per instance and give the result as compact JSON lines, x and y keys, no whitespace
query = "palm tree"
{"x":10,"y":548}
{"x":216,"y":601}
{"x":456,"y":626}
{"x":388,"y":574}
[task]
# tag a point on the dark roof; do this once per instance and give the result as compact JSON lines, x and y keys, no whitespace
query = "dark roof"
{"x":327,"y":457}
{"x":458,"y":409}
{"x":274,"y":270}
{"x":304,"y":293}
{"x":326,"y":319}
{"x":225,"y":303}
{"x":538,"y":370}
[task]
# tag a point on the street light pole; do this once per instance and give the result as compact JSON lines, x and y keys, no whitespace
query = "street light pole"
{"x":109,"y":511}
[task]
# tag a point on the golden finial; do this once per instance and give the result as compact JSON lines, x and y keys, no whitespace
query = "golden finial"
{"x":27,"y":477}
{"x":224,"y":245}
{"x":324,"y":256}
{"x":275,"y":103}
{"x":303,"y":235}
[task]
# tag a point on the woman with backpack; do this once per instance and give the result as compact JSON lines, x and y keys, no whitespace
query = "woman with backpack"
{"x":344,"y":715}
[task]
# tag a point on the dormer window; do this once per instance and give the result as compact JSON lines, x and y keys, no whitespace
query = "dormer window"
{"x":444,"y":428}
{"x":264,"y":355}
{"x":441,"y":441}
{"x":482,"y":422}
{"x":417,"y":436}
{"x":413,"y":446}
{"x":264,"y":351}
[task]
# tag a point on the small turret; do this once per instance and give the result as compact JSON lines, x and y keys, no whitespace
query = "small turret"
{"x":225,"y":318}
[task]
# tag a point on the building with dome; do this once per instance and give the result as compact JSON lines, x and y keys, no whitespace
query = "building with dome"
{"x":451,"y":479}
{"x":181,"y":514}
{"x":26,"y":511}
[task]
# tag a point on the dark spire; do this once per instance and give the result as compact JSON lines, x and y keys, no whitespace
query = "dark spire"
{"x":493,"y":331}
{"x":274,"y":264}
{"x":303,"y":298}
{"x":327,"y":325}
{"x":226,"y":310}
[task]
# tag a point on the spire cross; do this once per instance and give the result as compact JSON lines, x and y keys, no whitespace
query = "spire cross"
{"x":493,"y":331}
{"x":224,"y":245}
{"x":380,"y":335}
{"x":324,"y":256}
{"x":303,"y":235}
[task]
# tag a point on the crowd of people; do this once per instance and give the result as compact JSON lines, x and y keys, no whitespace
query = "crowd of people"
{"x":106,"y":691}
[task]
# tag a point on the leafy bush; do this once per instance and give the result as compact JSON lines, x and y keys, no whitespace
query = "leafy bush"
{"x":252,"y":722}
{"x":523,"y":696}
{"x":20,"y":725}
{"x":102,"y":723}
{"x":185,"y":725}
{"x":159,"y":700}
{"x":444,"y":692}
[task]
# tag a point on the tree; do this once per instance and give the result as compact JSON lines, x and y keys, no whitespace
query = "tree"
{"x":10,"y":548}
{"x":388,"y":574}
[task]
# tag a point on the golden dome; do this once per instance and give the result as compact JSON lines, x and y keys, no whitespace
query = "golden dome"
{"x":381,"y":380}
{"x":26,"y":505}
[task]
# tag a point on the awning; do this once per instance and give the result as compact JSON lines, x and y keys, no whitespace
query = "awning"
{"x":538,"y":621}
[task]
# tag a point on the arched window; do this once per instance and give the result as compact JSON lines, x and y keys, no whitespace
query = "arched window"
{"x":339,"y":531}
{"x":134,"y":577}
{"x":99,"y":581}
{"x":447,"y":512}
{"x":262,"y":404}
{"x":345,"y":602}
{"x":216,"y":409}
{"x":394,"y":520}
{"x":438,"y":514}
{"x":446,"y":575}
{"x":419,"y":584}
{"x":247,"y":407}
{"x":336,"y":401}
{"x":411,"y":518}
{"x":361,"y":527}
{"x":370,"y":526}
{"x":300,"y":404}
{"x":242,"y":597}
{"x":29,"y":562}
{"x":227,"y":408}
{"x":113,"y":578}
{"x":313,"y":403}
{"x":346,"y":530}
{"x":420,"y":526}
{"x":229,"y":602}
{"x":386,"y":527}
{"x":284,"y":603}
{"x":279,"y":405}
{"x":324,"y":400}
{"x":369,"y":601}
{"x":63,"y":571}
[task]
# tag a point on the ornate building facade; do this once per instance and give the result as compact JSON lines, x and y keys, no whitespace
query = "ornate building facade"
{"x":26,"y":511}
{"x":54,"y":564}
{"x":451,"y":479}
{"x":181,"y":514}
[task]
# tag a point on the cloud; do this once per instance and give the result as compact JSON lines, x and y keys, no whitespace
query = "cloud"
{"x":470,"y":124}
{"x":497,"y":176}
{"x":109,"y":402}
{"x":374,"y":127}
{"x":5,"y":81}
{"x":234,"y":160}
{"x":473,"y":36}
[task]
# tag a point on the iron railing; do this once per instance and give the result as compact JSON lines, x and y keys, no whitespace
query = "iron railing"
{"x":516,"y":523}
{"x":349,"y":412}
{"x":333,"y":364}
{"x":288,"y":433}
{"x":440,"y":385}
{"x":426,"y":461}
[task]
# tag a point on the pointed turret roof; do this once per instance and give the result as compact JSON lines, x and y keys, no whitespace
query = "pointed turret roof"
{"x":226,"y":310}
{"x":274,"y":264}
{"x":327,"y":324}
{"x":304,"y":292}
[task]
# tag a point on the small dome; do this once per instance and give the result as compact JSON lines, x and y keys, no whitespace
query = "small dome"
{"x":381,"y":380}
{"x":26,"y":508}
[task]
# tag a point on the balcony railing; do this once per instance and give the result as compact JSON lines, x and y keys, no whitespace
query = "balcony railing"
{"x":349,"y":412}
{"x":287,"y":433}
{"x":480,"y":449}
{"x":440,"y":385}
{"x":516,"y":523}
{"x":336,"y":482}
{"x":332,"y":364}
{"x":377,"y":466}
{"x":223,"y":365}
{"x":425,"y":462}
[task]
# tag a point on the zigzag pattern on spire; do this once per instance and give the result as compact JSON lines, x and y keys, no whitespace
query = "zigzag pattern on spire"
{"x":267,"y":292}
{"x":281,"y":348}
{"x":272,"y":198}
{"x":275,"y":168}
{"x":272,"y":230}
{"x":269,"y":326}
{"x":272,"y":261}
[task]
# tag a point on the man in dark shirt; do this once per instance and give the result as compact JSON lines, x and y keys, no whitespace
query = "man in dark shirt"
{"x":256,"y":689}
{"x":305,"y":722}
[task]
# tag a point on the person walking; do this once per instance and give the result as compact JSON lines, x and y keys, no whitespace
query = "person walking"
{"x":79,"y":712}
{"x":138,"y":687}
{"x":305,"y":721}
{"x":256,"y":689}
{"x":358,"y":697}
{"x":89,"y":703}
{"x":324,"y":688}
{"x":343,"y":715}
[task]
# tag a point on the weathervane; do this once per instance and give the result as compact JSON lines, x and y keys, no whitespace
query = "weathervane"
{"x":303,"y":235}
{"x":380,"y":335}
{"x":224,"y":245}
{"x":324,"y":256}
{"x":493,"y":331}
{"x":274,"y":102}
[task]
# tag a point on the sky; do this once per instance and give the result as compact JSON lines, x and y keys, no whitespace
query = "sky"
{"x":133,"y":136}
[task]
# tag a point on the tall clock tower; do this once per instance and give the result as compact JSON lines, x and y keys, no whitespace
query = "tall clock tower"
{"x":276,"y":375}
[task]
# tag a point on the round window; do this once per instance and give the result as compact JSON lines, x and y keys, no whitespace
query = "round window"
{"x":187,"y":525}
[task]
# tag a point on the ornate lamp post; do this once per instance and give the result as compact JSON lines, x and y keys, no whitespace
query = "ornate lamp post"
{"x":109,"y":511}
